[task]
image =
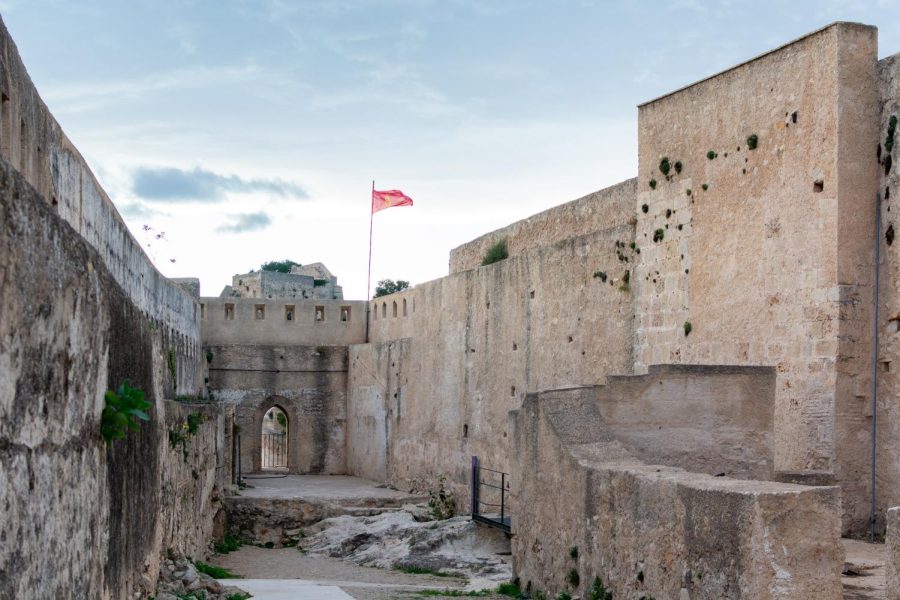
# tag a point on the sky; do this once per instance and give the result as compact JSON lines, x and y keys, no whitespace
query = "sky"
{"x":233,"y":132}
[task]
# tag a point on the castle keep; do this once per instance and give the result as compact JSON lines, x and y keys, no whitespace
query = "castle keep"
{"x":683,"y":375}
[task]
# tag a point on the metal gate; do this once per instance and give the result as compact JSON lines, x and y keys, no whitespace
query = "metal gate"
{"x":490,"y":494}
{"x":274,"y":449}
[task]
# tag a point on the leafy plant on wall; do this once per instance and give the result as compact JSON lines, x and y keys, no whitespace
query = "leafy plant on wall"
{"x":125,"y":409}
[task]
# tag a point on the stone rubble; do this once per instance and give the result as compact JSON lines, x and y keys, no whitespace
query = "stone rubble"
{"x":179,"y":579}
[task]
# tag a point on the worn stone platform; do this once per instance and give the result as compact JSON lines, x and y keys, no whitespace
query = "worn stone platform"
{"x":339,"y":489}
{"x":276,"y":509}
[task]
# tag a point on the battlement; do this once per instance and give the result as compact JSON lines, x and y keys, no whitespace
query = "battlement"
{"x":283,"y":321}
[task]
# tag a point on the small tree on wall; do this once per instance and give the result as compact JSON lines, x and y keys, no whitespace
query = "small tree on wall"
{"x":279,"y":266}
{"x":389,"y":286}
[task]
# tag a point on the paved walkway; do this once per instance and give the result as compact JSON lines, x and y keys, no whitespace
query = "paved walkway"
{"x":332,"y":488}
{"x":288,"y":589}
{"x":864,"y":571}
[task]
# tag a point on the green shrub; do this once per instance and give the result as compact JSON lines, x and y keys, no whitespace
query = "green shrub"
{"x":645,"y":208}
{"x":664,"y":166}
{"x":214,"y":571}
{"x":124,"y":410}
{"x":598,"y":591}
{"x":688,"y":328}
{"x":705,"y":187}
{"x":573,"y":578}
{"x":752,"y":142}
{"x":510,"y":589}
{"x":652,"y":184}
{"x":279,"y":266}
{"x":601,"y":275}
{"x":678,"y":166}
{"x":497,"y":252}
{"x":711,"y":154}
{"x":658,"y":235}
{"x":228,"y":544}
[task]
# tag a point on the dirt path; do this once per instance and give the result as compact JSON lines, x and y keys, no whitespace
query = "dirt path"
{"x":864,"y":565}
{"x":363,"y":583}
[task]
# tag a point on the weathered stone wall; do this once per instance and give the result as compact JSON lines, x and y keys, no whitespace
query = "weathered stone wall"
{"x":293,"y":285}
{"x":888,"y":476}
{"x":599,"y":210}
{"x":772,"y":263}
{"x":33,"y":142}
{"x":482,"y":339}
{"x":707,"y":419}
{"x":246,"y":327}
{"x":591,"y":510}
{"x":308,"y":382}
{"x":892,"y":554}
{"x":69,"y":333}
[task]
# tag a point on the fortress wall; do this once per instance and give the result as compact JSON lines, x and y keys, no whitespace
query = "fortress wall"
{"x":768,"y":266}
{"x":602,"y":209}
{"x":69,"y":333}
{"x":32,"y":140}
{"x":308,"y":382}
{"x":593,"y":510}
{"x":888,"y":478}
{"x":423,"y":406}
{"x":275,"y":328}
{"x":395,"y":316}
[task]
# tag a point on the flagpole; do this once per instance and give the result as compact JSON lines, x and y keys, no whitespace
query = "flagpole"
{"x":369,"y":279}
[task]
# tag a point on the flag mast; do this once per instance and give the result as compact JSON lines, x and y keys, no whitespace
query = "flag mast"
{"x":369,"y":279}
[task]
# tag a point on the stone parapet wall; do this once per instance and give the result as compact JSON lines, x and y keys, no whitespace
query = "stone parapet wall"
{"x":395,"y":316}
{"x":70,"y":332}
{"x":255,"y":321}
{"x":33,"y":142}
{"x":478,"y":341}
{"x":589,"y":509}
{"x":603,"y":209}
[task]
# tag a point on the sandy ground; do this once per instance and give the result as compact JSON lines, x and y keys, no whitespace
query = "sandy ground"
{"x":867,"y":560}
{"x":362,"y":583}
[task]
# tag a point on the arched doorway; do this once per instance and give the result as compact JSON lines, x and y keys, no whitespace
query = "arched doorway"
{"x":274,"y":440}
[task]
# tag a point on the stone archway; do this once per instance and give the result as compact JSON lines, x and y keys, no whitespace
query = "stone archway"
{"x":275,"y":438}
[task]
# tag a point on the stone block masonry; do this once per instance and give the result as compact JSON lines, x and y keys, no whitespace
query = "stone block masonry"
{"x":764,"y":245}
{"x":590,"y":510}
{"x":309,"y":383}
{"x":82,"y":519}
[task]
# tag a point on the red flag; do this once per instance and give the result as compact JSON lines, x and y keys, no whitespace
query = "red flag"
{"x":388,"y":198}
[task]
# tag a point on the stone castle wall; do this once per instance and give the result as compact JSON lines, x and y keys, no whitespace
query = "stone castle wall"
{"x":239,"y":321}
{"x":33,"y":142}
{"x":762,"y":256}
{"x":772,"y":263}
{"x":599,"y":210}
{"x":591,"y":509}
{"x":308,"y":382}
{"x":478,"y":341}
{"x":70,"y":332}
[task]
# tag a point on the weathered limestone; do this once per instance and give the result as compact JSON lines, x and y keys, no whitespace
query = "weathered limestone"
{"x":603,"y":209}
{"x":588,"y":507}
{"x":313,"y":281}
{"x":481,"y":339}
{"x":69,"y":333}
{"x":771,"y":264}
{"x":256,"y":321}
{"x":892,"y":554}
{"x":308,"y":383}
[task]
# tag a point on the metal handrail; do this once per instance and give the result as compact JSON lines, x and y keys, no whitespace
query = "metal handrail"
{"x":504,"y":522}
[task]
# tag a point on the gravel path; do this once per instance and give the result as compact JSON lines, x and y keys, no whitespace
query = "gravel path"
{"x":363,"y":583}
